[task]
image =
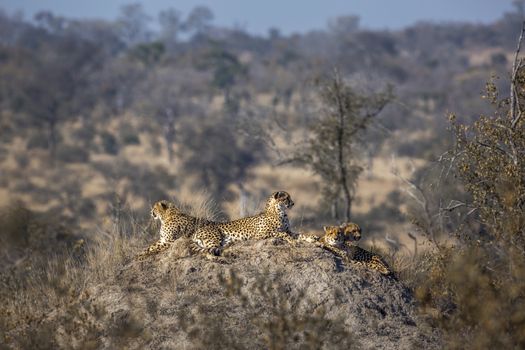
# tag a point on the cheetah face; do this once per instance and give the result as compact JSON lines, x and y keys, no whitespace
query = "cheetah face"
{"x":333,"y":235}
{"x":283,"y":199}
{"x":351,"y":231}
{"x":159,"y":208}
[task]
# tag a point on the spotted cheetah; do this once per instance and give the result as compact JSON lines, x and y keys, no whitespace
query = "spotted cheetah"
{"x":272,"y":222}
{"x":173,"y":225}
{"x":337,"y":240}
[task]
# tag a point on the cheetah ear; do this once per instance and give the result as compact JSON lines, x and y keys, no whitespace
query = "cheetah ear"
{"x":277,"y":194}
{"x":164,"y":205}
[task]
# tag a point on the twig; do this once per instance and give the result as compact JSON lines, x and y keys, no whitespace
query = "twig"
{"x":451,"y":206}
{"x":515,"y":68}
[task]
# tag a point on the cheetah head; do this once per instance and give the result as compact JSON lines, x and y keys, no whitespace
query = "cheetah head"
{"x":333,"y":235}
{"x":351,"y":231}
{"x":159,"y":208}
{"x":282,"y":199}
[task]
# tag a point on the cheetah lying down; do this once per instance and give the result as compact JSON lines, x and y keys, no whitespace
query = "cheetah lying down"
{"x":272,"y":222}
{"x":212,"y":237}
{"x":337,"y":240}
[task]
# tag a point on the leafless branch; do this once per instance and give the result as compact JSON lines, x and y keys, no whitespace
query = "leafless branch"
{"x":454,"y":205}
{"x":516,"y":65}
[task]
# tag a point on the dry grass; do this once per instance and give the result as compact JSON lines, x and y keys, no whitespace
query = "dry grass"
{"x":45,"y":304}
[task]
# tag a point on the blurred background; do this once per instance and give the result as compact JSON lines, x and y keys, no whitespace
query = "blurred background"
{"x":109,"y":106}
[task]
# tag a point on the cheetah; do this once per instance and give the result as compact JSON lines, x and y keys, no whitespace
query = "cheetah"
{"x":173,"y":225}
{"x":272,"y":222}
{"x":337,"y":240}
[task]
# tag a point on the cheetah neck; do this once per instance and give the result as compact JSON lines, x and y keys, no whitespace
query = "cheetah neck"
{"x":279,"y":212}
{"x":276,"y":210}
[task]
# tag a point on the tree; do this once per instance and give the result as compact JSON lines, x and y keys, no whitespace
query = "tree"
{"x":170,"y":25}
{"x":48,"y":86}
{"x":226,"y":71}
{"x":198,"y":21}
{"x":490,"y":161}
{"x":133,"y":24}
{"x":332,"y":149}
{"x":344,"y":25}
{"x":162,"y":101}
{"x":216,"y":153}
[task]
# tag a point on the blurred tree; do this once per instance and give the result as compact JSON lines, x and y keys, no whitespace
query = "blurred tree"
{"x":46,"y":86}
{"x":344,"y":25}
{"x":163,"y":100}
{"x":198,"y":21}
{"x":50,"y":22}
{"x":217,"y":154}
{"x":226,"y":71}
{"x":332,"y":150}
{"x":170,"y":26}
{"x":133,"y":24}
{"x":148,"y":53}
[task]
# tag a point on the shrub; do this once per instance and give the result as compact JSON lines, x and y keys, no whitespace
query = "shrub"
{"x":37,"y":140}
{"x":128,"y":136}
{"x":475,"y":290}
{"x":72,"y":154}
{"x":109,"y":143}
{"x":15,"y":221}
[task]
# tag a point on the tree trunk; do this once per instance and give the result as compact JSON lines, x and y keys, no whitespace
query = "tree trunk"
{"x":169,"y":132}
{"x":348,"y":201}
{"x":169,"y":138}
{"x":243,"y":199}
{"x":335,"y":211}
{"x":52,"y":140}
{"x":340,"y":149}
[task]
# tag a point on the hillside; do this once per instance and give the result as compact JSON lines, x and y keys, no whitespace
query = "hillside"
{"x":263,"y":294}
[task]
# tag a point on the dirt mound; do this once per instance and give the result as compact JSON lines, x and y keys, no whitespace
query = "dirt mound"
{"x":262,"y":294}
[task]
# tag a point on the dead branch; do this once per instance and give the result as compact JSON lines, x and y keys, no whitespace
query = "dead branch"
{"x":516,"y":65}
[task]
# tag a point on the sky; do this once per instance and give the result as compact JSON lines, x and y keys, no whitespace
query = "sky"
{"x":289,"y":16}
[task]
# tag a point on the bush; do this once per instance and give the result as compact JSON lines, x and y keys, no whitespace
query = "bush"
{"x":37,"y":140}
{"x":15,"y":221}
{"x":72,"y":154}
{"x":109,"y":143}
{"x":475,"y":290}
{"x":128,"y":136}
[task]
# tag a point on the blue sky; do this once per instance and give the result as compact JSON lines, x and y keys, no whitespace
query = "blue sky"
{"x":287,"y":15}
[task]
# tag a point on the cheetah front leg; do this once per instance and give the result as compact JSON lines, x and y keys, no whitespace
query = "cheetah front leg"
{"x":153,"y":249}
{"x":304,"y":238}
{"x":283,"y":235}
{"x":341,"y":253}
